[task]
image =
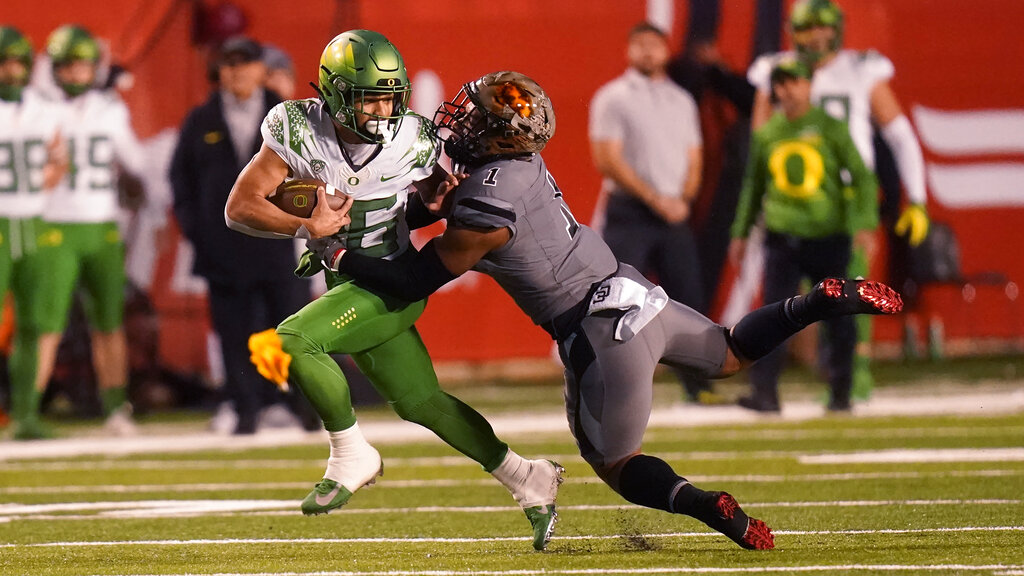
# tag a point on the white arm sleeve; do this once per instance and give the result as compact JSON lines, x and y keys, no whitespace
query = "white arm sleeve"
{"x":906,"y":150}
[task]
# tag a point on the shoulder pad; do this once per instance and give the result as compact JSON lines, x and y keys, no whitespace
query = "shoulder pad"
{"x":875,"y":66}
{"x":483,"y":212}
{"x":425,"y":149}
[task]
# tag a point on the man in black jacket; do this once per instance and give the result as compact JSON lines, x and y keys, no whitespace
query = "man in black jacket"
{"x":251,"y":284}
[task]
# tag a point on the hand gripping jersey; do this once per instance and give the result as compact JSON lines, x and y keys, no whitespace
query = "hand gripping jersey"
{"x":842,"y":88}
{"x":551,"y":261}
{"x":97,"y":131}
{"x":26,"y":128}
{"x":302,"y":134}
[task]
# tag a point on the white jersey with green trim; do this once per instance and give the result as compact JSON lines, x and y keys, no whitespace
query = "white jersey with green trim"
{"x":26,"y":128}
{"x":842,"y":88}
{"x":302,"y":133}
{"x":99,"y":138}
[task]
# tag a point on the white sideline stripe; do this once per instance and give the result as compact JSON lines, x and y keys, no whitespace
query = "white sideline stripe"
{"x":231,"y":541}
{"x":919,"y":456}
{"x":524,"y":427}
{"x":175,"y":508}
{"x":1012,"y":570}
{"x":965,"y":132}
{"x":978,"y":185}
{"x":442,"y":483}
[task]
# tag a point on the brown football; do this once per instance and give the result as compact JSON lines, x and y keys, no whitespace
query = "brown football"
{"x":298,"y":197}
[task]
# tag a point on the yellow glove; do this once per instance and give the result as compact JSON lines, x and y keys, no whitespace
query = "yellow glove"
{"x":268,"y":357}
{"x":913,"y":223}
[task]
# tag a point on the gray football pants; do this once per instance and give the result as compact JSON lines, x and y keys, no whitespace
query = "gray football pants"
{"x":609,"y":383}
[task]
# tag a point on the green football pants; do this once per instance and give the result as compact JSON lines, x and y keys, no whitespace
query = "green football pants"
{"x":378,"y":332}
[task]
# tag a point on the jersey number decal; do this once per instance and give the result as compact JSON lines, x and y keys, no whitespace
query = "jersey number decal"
{"x":32,"y":159}
{"x":99,"y":161}
{"x":374,"y":227}
{"x":571,"y":225}
{"x":491,"y":180}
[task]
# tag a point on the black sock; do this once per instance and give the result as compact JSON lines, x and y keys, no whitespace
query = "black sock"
{"x":651,"y":482}
{"x":764,"y":329}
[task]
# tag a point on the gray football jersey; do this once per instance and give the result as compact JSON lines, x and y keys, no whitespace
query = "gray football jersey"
{"x":551,"y":260}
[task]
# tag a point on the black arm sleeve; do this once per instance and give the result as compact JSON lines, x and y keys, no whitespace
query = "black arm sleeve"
{"x":416,"y":214}
{"x":412,"y":280}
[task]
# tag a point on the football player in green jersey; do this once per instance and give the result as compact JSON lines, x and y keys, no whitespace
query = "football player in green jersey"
{"x":360,"y":138}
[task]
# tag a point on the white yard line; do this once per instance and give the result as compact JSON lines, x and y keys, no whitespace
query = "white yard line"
{"x":918,"y":456}
{"x":195,"y":508}
{"x":448,"y":483}
{"x":428,"y":540}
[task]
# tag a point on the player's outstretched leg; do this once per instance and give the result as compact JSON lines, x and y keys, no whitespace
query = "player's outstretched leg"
{"x":764,"y":329}
{"x":352,"y":465}
{"x":534,"y":484}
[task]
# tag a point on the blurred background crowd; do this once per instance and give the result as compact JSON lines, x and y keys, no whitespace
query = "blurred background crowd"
{"x":128,"y":294}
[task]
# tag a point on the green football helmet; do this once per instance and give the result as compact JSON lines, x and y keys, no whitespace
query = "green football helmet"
{"x":358,"y":64}
{"x":808,"y":14}
{"x":14,"y":46}
{"x":67,"y":44}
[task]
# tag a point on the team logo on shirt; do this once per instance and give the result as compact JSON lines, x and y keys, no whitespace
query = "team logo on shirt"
{"x":317,"y":166}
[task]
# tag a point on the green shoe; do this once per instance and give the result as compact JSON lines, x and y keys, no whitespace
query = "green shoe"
{"x":326,"y":496}
{"x":32,"y":430}
{"x":543,"y":520}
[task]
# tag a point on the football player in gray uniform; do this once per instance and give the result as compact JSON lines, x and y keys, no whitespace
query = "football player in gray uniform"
{"x":508,"y":219}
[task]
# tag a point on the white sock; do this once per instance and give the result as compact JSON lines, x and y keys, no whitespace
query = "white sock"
{"x":351,"y":456}
{"x":512,"y":472}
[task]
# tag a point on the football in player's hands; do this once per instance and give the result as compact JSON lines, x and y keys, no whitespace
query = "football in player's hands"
{"x":298,"y":197}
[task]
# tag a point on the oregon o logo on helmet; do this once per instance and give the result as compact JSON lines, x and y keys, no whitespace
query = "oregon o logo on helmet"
{"x":392,"y":82}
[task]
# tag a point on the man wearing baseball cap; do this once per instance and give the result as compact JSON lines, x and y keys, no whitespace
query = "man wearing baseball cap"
{"x":812,"y":216}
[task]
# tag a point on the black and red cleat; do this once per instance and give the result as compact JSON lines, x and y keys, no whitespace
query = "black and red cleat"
{"x":844,"y":297}
{"x":720,"y":511}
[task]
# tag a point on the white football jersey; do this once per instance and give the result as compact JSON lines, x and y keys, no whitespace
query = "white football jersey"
{"x":842,"y":88}
{"x":98,"y":131}
{"x":302,"y":134}
{"x":26,"y":128}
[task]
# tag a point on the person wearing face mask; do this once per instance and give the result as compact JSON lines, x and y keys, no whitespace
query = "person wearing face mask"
{"x":218,"y":138}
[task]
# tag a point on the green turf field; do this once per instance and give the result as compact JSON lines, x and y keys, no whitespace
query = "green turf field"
{"x":908,"y":495}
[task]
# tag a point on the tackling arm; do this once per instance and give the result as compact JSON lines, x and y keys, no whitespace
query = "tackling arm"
{"x":899,"y":135}
{"x":442,"y":260}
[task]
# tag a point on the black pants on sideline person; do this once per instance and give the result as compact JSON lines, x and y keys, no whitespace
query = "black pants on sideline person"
{"x":238,"y":311}
{"x":788,"y":259}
